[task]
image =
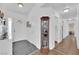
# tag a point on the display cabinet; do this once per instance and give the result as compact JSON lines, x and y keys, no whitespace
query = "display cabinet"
{"x":45,"y":34}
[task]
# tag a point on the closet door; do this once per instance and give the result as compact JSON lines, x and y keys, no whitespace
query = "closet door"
{"x":45,"y":34}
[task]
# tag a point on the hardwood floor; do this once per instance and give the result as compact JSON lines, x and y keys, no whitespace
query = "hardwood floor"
{"x":66,"y":47}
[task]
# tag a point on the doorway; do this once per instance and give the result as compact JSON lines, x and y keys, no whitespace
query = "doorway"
{"x":71,"y":29}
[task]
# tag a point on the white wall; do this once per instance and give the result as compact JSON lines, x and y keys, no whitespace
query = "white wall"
{"x":34,"y":33}
{"x":5,"y":47}
{"x":77,"y":28}
{"x":58,"y":29}
{"x":65,"y":28}
{"x":19,"y":27}
{"x":77,"y":32}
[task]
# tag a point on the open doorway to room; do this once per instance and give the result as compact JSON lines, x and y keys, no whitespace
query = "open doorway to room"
{"x":71,"y":29}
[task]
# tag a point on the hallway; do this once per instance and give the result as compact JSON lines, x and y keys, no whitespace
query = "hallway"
{"x":66,"y":47}
{"x":39,"y":26}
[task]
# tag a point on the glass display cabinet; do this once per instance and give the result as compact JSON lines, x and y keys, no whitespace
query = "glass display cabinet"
{"x":45,"y":34}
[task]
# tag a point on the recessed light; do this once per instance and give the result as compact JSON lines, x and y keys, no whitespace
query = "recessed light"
{"x":66,"y":10}
{"x":20,"y":5}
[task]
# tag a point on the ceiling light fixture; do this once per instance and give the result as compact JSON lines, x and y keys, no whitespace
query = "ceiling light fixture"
{"x":66,"y":10}
{"x":20,"y":5}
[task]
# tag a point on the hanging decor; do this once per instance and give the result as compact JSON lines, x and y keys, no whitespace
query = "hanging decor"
{"x":28,"y":24}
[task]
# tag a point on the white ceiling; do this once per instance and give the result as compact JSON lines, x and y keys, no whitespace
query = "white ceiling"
{"x":14,"y":7}
{"x":58,"y":7}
